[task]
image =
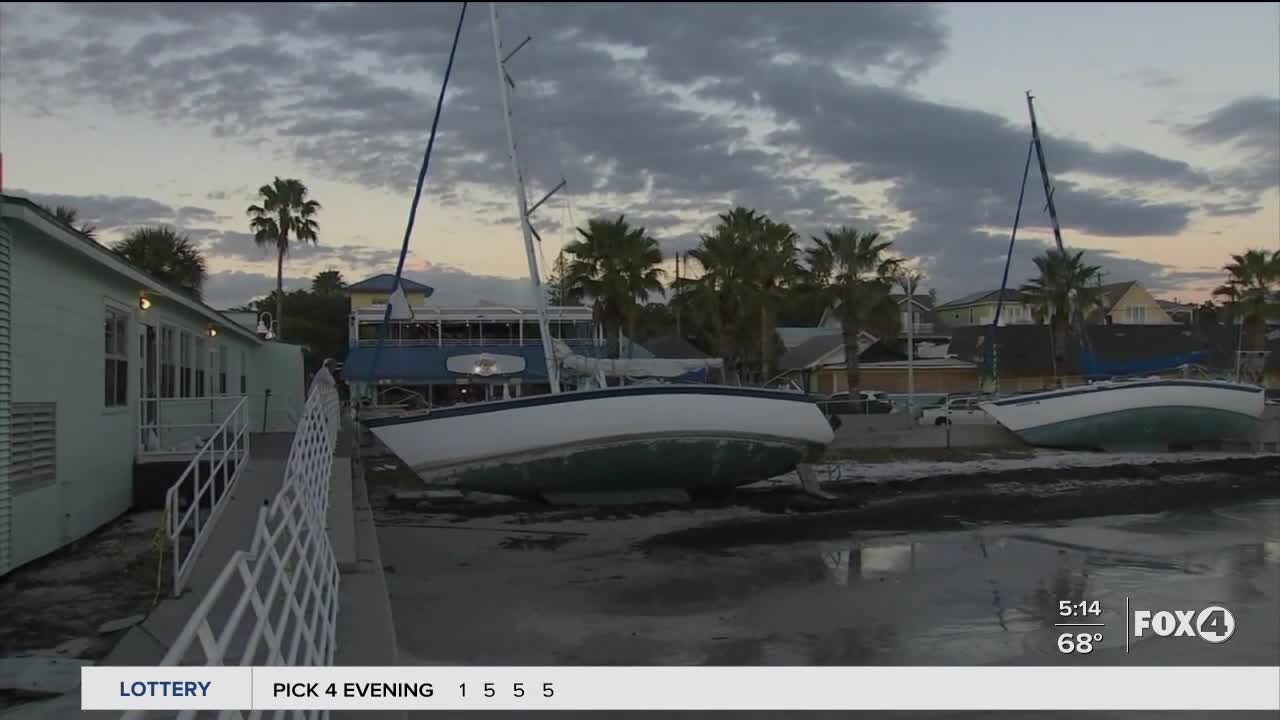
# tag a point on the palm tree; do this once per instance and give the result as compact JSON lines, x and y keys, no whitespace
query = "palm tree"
{"x":285,"y":209}
{"x":68,"y":216}
{"x":1249,"y":295}
{"x":854,"y":274}
{"x":774,"y":269}
{"x":719,"y":295}
{"x":328,"y":282}
{"x":617,"y":267}
{"x":167,"y":255}
{"x":1065,"y":288}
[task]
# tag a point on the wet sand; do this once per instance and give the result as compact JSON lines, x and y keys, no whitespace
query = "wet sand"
{"x":964,"y":570}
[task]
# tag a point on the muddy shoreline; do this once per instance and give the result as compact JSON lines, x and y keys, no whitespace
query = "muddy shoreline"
{"x":783,"y":513}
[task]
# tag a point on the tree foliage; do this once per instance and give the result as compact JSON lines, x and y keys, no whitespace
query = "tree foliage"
{"x":167,"y":255}
{"x":285,"y":213}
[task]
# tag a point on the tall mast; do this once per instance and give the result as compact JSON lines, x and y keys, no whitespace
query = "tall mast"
{"x":1077,"y":317}
{"x":522,"y":201}
{"x":1044,"y":175}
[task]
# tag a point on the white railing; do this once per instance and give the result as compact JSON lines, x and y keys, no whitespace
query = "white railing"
{"x":172,"y":426}
{"x":276,"y":603}
{"x":193,"y":503}
{"x":451,"y":342}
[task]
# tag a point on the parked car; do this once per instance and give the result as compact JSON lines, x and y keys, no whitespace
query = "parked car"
{"x":869,"y":402}
{"x":961,"y":410}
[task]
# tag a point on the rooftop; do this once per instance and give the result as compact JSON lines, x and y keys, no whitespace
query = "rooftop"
{"x":983,"y":296}
{"x":32,"y":214}
{"x":386,"y":282}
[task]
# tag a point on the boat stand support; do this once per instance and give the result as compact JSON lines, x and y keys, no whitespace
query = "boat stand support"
{"x":809,"y":482}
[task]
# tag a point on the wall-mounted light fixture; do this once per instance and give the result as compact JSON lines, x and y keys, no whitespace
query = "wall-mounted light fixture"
{"x":144,"y":302}
{"x":266,"y":327}
{"x":213,"y":332}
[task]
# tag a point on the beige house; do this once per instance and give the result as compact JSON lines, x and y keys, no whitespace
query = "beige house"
{"x":1126,"y":303}
{"x":1129,"y":303}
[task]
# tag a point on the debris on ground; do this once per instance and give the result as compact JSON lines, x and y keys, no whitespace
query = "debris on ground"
{"x":58,"y":605}
{"x":121,"y":624}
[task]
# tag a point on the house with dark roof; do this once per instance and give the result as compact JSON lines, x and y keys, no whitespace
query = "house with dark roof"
{"x":920,"y":312}
{"x":979,"y":308}
{"x":818,"y":366}
{"x":376,"y":289}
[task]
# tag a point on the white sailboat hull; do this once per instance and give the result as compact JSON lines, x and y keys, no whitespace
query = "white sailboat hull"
{"x":1141,"y":414}
{"x":629,"y":438}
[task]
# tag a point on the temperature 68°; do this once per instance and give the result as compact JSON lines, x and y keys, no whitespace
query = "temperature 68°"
{"x":1080,"y":643}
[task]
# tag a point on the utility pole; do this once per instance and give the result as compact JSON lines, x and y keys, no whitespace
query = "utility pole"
{"x":679,"y":334}
{"x":909,"y":279}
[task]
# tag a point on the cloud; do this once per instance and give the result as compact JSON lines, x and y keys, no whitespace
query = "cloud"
{"x":1250,"y":125}
{"x":232,"y":288}
{"x":453,"y":286}
{"x":235,"y":245}
{"x":670,"y":113}
{"x":114,"y":212}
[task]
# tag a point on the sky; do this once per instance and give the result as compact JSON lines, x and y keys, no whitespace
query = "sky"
{"x":1160,"y":126}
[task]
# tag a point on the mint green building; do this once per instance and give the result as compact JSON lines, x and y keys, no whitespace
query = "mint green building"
{"x":103,"y":367}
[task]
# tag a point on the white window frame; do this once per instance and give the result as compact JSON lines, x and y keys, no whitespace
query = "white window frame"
{"x":200,"y":373}
{"x":186,"y":369}
{"x":117,"y":352}
{"x":244,"y":372}
{"x":224,"y":357}
{"x":168,"y":359}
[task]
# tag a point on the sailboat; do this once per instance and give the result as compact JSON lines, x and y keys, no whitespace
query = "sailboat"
{"x":1125,"y":413}
{"x":705,"y":439}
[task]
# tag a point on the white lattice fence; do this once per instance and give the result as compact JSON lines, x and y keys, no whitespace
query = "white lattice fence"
{"x":276,"y":603}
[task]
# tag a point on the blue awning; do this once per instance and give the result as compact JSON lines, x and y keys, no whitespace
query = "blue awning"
{"x":426,"y":364}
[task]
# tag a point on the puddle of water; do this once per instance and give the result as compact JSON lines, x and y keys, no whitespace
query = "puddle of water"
{"x":994,"y":595}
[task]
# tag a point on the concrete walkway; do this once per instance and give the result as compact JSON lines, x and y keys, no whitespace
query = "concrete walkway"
{"x":365,"y":631}
{"x":147,"y":643}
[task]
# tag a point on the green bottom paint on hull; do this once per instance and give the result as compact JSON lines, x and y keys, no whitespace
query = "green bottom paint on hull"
{"x":1144,"y":429}
{"x":693,"y":464}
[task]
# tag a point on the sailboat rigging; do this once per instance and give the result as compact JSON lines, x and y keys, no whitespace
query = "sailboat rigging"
{"x":1077,"y":316}
{"x":705,"y":439}
{"x":1150,"y":413}
{"x":505,"y":83}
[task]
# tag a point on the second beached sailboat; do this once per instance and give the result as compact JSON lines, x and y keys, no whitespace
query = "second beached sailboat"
{"x":1148,"y":413}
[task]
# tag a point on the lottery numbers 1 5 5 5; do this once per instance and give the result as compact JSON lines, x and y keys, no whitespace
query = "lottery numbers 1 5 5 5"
{"x":518,"y":690}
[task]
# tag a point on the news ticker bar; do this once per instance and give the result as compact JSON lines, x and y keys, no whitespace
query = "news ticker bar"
{"x":679,"y":688}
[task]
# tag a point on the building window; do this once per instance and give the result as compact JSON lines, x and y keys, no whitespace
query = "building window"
{"x":116,"y":328}
{"x":184,"y":365}
{"x":244,"y":380}
{"x":222,"y":369}
{"x":201,"y":357}
{"x":1137,"y":315}
{"x":168,"y":362}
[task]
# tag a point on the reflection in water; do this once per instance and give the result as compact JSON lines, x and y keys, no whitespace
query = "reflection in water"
{"x":995,"y":593}
{"x":1067,"y":584}
{"x":855,"y":560}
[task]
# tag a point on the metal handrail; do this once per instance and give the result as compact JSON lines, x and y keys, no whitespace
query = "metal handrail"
{"x":276,"y":603}
{"x":237,"y":422}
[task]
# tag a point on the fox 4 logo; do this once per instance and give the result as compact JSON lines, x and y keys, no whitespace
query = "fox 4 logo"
{"x":1214,"y":624}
